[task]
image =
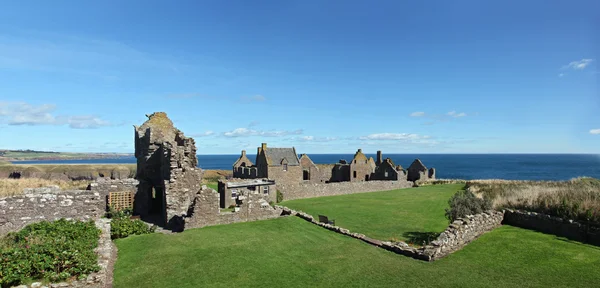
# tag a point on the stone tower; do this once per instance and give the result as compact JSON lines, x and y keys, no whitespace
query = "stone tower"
{"x":167,"y":171}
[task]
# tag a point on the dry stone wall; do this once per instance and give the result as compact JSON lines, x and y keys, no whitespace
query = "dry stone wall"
{"x":553,"y":225}
{"x":310,"y":190}
{"x":49,"y":203}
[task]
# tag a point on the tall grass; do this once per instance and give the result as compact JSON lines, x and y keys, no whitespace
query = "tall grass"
{"x":11,"y":187}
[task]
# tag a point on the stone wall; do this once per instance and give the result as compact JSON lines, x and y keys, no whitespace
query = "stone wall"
{"x":462,"y":232}
{"x":49,"y":203}
{"x":553,"y":225}
{"x":310,"y":190}
{"x":293,"y":175}
{"x":106,"y":185}
{"x":67,"y":172}
{"x":206,"y":211}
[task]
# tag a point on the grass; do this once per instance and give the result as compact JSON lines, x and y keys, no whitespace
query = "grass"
{"x":213,"y":186}
{"x":403,"y":214}
{"x":11,"y":187}
{"x":289,"y":252}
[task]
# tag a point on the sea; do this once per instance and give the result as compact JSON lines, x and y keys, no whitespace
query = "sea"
{"x":552,"y":167}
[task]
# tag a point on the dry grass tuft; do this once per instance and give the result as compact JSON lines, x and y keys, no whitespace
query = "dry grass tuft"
{"x":11,"y":187}
{"x":577,"y":199}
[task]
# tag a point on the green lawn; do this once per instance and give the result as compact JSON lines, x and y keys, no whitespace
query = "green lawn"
{"x":290,"y":252}
{"x":401,"y":214}
{"x":213,"y":186}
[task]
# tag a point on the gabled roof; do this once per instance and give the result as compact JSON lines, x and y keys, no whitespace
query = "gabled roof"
{"x":275,"y":156}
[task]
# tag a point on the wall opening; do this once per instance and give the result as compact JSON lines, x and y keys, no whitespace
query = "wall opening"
{"x":305,"y":175}
{"x":285,"y":167}
{"x":354,"y":174}
{"x":366,"y":177}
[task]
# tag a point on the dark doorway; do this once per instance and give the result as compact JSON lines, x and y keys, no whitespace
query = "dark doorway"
{"x":306,"y":175}
{"x":366,"y":177}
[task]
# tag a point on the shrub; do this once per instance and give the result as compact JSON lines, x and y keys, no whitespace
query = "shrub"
{"x":123,"y":227}
{"x":465,"y":203}
{"x":49,"y":250}
{"x":121,"y":213}
{"x":279,"y":196}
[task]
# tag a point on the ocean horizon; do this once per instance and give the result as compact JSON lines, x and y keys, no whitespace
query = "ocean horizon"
{"x":552,"y":167}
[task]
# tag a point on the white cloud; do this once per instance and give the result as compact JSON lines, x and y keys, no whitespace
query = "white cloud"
{"x":456,"y":115}
{"x":84,"y":122}
{"x":245,"y":132}
{"x":578,"y":65}
{"x":561,"y":74}
{"x":316,"y":139}
{"x":417,"y":114}
{"x":393,"y":136}
{"x":21,"y":113}
{"x":595,"y":131}
{"x":205,"y":134}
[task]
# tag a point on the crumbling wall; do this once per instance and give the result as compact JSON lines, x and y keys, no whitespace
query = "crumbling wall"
{"x":206,"y":211}
{"x":310,"y":190}
{"x":166,"y":170}
{"x":49,"y":203}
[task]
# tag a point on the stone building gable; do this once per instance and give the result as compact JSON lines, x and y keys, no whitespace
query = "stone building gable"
{"x":359,"y":157}
{"x":243,"y":161}
{"x":418,"y":171}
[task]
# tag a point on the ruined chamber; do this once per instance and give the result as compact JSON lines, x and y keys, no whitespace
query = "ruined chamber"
{"x":167,"y":172}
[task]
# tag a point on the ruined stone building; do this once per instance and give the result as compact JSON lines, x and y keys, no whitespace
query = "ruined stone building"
{"x":417,"y":171}
{"x":170,"y":193}
{"x":284,"y":167}
{"x":166,"y":170}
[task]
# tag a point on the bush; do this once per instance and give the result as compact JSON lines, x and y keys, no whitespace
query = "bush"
{"x":279,"y":196}
{"x":465,"y":203}
{"x":122,"y":213}
{"x":49,"y":250}
{"x":123,"y":227}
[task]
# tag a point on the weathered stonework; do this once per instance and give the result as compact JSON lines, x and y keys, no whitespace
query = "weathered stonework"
{"x":310,"y":190}
{"x":166,"y":170}
{"x":206,"y":211}
{"x":49,"y":203}
{"x":553,"y":225}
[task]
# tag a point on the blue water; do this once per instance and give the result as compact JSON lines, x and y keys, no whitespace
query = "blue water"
{"x":455,"y":166}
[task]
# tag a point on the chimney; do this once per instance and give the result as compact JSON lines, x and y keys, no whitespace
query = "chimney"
{"x":359,"y":150}
{"x":243,"y":152}
{"x":264,"y":146}
{"x":379,"y":157}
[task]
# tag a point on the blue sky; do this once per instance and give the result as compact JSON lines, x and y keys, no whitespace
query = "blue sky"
{"x":323,"y":76}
